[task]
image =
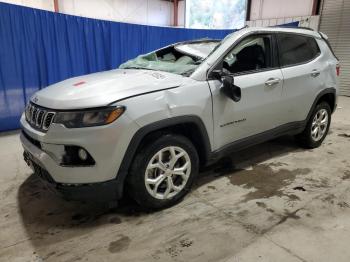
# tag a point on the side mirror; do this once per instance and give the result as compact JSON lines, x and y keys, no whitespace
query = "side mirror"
{"x":217,"y":74}
{"x":229,"y":89}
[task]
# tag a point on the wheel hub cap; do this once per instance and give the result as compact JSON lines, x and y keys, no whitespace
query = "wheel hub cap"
{"x":167,"y":172}
{"x":319,"y":125}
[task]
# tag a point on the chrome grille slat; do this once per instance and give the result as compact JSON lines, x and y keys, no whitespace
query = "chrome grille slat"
{"x":31,"y":113}
{"x":38,"y":117}
{"x":48,"y":120}
{"x":35,"y":111}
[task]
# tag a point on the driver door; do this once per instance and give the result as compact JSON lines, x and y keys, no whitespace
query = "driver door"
{"x":255,"y":70}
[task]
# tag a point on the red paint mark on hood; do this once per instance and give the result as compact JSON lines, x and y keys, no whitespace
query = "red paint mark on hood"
{"x":79,"y":83}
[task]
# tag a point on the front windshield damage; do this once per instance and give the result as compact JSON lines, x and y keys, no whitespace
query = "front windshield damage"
{"x":182,"y":58}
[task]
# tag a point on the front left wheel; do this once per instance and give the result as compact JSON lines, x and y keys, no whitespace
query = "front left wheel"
{"x":163,"y":171}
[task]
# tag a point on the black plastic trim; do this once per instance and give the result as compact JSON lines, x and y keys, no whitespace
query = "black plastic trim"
{"x":286,"y":129}
{"x":96,"y":192}
{"x":329,"y":46}
{"x":72,"y":159}
{"x":330,"y":90}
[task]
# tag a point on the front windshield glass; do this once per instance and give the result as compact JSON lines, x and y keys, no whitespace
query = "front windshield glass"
{"x":180,"y":59}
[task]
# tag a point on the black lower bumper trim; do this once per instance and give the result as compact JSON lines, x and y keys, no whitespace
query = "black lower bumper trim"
{"x":97,"y":192}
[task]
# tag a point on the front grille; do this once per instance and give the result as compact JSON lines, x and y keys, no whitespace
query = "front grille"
{"x":38,"y":117}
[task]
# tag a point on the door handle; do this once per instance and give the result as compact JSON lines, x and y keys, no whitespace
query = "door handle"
{"x":315,"y":73}
{"x":272,"y":81}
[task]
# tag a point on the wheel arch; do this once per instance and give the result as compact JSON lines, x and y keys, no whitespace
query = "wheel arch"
{"x":330,"y":98}
{"x":328,"y":95}
{"x":190,"y":126}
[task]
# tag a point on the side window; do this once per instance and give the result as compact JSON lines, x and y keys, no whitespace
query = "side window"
{"x":252,"y":53}
{"x":296,"y":49}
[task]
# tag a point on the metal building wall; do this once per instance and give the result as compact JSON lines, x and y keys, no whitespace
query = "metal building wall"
{"x":335,"y":23}
{"x":40,"y":4}
{"x":305,"y":21}
{"x":146,"y":12}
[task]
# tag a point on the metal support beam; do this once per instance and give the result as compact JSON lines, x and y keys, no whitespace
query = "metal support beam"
{"x":55,"y":4}
{"x":316,"y":7}
{"x":249,"y":6}
{"x":176,"y":8}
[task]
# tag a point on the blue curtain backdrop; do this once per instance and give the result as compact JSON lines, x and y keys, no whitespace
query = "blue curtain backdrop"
{"x":39,"y":48}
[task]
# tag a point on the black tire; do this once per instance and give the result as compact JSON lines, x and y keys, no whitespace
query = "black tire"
{"x":305,"y":138}
{"x":136,"y":178}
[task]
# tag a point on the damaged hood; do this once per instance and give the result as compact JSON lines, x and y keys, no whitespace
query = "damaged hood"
{"x":101,"y":89}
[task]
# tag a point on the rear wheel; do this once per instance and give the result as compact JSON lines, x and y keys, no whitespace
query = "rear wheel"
{"x":163,"y":171}
{"x":317,"y":127}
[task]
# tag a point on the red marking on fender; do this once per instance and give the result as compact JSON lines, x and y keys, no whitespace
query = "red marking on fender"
{"x":79,"y":83}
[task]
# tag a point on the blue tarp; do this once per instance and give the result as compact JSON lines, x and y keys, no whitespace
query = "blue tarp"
{"x":39,"y":48}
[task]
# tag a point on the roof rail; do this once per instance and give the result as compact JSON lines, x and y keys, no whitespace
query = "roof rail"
{"x":299,"y":27}
{"x":306,"y":28}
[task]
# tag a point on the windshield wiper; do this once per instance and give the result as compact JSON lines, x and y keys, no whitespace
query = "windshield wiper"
{"x":136,"y":67}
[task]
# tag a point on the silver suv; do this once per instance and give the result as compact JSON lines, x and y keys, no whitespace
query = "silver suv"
{"x":146,"y":127}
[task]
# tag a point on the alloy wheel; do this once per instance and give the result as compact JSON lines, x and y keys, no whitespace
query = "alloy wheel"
{"x":167,"y":172}
{"x":319,"y":125}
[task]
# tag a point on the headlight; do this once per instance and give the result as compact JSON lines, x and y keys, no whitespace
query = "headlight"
{"x":89,"y":117}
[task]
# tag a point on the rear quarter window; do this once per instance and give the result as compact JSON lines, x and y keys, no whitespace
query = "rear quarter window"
{"x":296,"y":49}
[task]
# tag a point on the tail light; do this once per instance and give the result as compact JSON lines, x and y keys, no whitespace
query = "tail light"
{"x":338,"y":70}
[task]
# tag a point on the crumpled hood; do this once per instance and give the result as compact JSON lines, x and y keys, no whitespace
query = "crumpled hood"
{"x":101,"y":89}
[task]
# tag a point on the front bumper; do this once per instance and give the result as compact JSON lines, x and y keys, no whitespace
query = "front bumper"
{"x":106,"y":144}
{"x":97,"y":192}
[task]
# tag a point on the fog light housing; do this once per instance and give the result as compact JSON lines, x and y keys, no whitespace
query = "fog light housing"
{"x":83,"y":155}
{"x":76,"y":156}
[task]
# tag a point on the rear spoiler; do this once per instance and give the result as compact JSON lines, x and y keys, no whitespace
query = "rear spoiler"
{"x":325,"y":38}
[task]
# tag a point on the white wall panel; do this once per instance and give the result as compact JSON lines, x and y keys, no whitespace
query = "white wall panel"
{"x":181,"y":13}
{"x":148,"y":12}
{"x":266,"y":9}
{"x":40,"y":4}
{"x":304,"y":21}
{"x":160,"y":13}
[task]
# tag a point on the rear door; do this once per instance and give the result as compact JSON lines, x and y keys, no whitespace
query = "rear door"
{"x":252,"y":64}
{"x":303,"y":69}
